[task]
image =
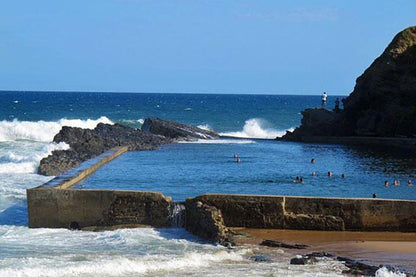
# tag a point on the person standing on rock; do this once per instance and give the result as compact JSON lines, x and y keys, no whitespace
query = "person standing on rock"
{"x":336,"y":109}
{"x":324,"y":97}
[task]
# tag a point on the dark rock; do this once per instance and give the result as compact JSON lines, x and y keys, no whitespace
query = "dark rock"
{"x":358,"y":268}
{"x":315,"y":122}
{"x":309,"y":258}
{"x":207,"y":222}
{"x":383,"y":102}
{"x":303,"y":260}
{"x":260,"y":258}
{"x":275,"y":243}
{"x":61,"y":161}
{"x":176,"y":131}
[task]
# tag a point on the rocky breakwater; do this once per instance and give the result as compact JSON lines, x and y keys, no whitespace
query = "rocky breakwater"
{"x":86,"y":144}
{"x":382,"y":104}
{"x":176,"y":131}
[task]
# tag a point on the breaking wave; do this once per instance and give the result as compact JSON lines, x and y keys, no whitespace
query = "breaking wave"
{"x":256,"y":128}
{"x":43,"y":131}
{"x":15,"y":163}
{"x":205,"y":127}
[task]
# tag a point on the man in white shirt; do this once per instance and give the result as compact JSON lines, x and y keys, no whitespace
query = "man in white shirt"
{"x":324,"y":97}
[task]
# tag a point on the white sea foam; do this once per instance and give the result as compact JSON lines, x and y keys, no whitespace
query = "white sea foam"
{"x":110,"y":253}
{"x":255,"y":128}
{"x":205,"y":127}
{"x":15,"y":163}
{"x":384,"y":272}
{"x":42,"y":130}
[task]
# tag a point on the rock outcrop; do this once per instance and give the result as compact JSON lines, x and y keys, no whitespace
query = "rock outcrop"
{"x":383,"y":102}
{"x":207,"y":222}
{"x":86,"y":144}
{"x":176,"y":131}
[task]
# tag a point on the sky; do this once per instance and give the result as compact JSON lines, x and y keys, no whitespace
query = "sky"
{"x":255,"y":47}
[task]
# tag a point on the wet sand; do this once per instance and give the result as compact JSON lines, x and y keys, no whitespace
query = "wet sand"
{"x":391,"y":248}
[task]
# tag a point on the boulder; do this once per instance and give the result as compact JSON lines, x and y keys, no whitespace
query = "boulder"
{"x":311,"y":258}
{"x":207,"y":222}
{"x":358,"y":268}
{"x":176,"y":131}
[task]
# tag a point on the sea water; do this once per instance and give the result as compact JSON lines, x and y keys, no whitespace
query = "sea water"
{"x":29,"y":121}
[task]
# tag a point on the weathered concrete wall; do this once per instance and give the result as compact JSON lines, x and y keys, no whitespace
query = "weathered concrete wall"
{"x":314,"y":213}
{"x":58,"y":208}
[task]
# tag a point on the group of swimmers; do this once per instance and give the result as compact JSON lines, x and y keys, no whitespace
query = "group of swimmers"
{"x":396,"y":183}
{"x":301,"y":180}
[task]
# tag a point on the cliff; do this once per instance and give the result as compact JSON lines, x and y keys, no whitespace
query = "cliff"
{"x":383,"y":102}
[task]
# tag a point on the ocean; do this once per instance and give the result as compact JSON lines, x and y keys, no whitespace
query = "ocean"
{"x":29,"y":121}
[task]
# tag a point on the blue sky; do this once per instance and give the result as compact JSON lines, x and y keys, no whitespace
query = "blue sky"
{"x":259,"y":47}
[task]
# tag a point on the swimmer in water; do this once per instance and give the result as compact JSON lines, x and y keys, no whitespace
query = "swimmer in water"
{"x":313,"y":161}
{"x":374,"y":195}
{"x":297,"y":179}
{"x":329,"y":174}
{"x":313,"y":173}
{"x":396,"y":182}
{"x":386,"y":183}
{"x":301,"y":180}
{"x":235,"y":156}
{"x":342,"y":175}
{"x":238,"y":161}
{"x":409,"y":183}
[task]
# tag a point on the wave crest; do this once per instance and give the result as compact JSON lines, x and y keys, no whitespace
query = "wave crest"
{"x":14,"y":163}
{"x":205,"y":127}
{"x":43,"y":131}
{"x":255,"y":128}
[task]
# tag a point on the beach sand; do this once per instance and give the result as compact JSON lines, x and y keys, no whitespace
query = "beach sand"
{"x":390,"y":248}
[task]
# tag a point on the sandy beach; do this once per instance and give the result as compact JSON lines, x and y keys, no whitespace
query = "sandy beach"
{"x":390,"y":248}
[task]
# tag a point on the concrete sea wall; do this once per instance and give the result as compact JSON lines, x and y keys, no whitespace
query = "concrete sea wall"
{"x":313,"y":213}
{"x":66,"y":208}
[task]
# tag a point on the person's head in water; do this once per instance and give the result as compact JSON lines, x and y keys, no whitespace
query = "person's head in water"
{"x":409,"y":183}
{"x":386,"y":183}
{"x":396,"y":182}
{"x":313,"y":161}
{"x":342,"y":175}
{"x":374,"y":195}
{"x":235,"y":156}
{"x":313,"y":173}
{"x":329,"y":173}
{"x":238,"y":160}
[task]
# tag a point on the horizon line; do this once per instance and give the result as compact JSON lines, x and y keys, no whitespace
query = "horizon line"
{"x":185,"y":92}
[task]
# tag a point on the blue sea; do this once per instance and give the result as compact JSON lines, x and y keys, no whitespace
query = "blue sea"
{"x":30,"y":120}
